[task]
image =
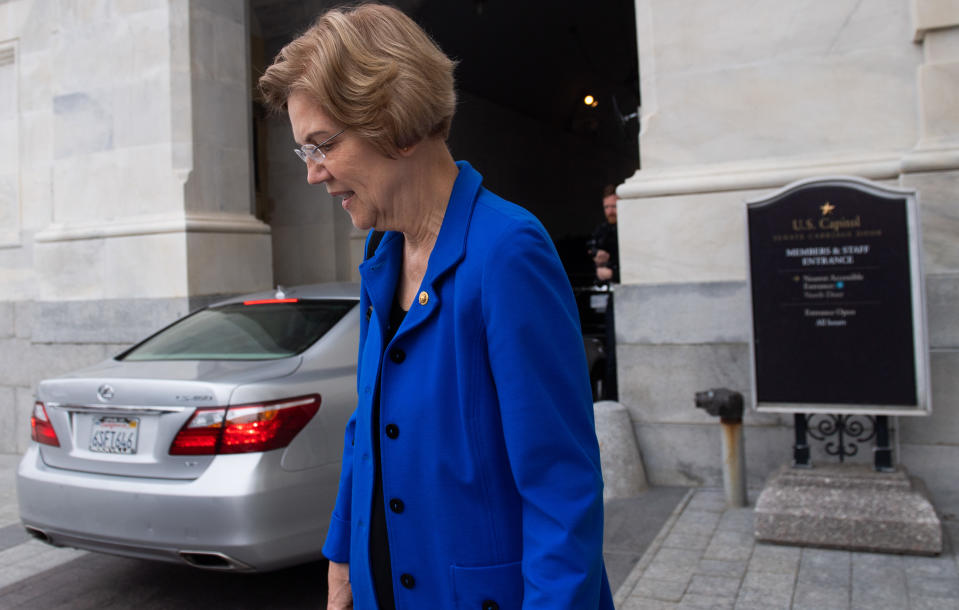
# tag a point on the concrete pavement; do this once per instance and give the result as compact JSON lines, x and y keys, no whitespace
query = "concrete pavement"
{"x":672,"y":548}
{"x":706,"y":556}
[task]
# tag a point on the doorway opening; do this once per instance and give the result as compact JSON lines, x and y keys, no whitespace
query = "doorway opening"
{"x":545,"y":91}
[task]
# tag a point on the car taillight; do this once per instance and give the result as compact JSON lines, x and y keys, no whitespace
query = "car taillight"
{"x":245,"y":428}
{"x":200,"y":435}
{"x":41,"y":430}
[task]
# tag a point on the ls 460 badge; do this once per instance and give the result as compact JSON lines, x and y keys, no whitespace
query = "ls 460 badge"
{"x":194,"y":397}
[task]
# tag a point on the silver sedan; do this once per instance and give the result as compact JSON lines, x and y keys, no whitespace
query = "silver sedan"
{"x":215,"y":442}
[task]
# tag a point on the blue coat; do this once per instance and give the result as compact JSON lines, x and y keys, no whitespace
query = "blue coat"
{"x":486,"y":424}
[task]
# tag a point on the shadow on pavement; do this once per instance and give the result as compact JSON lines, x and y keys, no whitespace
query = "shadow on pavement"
{"x":105,"y":582}
{"x":632,"y":524}
{"x":108,"y":582}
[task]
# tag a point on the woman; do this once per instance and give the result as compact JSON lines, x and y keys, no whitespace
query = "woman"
{"x":471,"y":473}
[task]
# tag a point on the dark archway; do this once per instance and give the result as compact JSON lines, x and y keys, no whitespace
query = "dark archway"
{"x":524,"y":71}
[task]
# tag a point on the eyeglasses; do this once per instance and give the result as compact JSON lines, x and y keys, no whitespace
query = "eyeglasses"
{"x":316,"y":153}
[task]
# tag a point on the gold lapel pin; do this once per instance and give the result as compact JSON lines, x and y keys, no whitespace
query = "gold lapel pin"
{"x":424,"y":298}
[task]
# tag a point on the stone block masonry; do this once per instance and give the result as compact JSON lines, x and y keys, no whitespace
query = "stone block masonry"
{"x":707,"y":557}
{"x":46,"y":339}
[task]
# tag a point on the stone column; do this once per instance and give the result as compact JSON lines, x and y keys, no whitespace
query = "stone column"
{"x":125,"y":180}
{"x":930,"y":446}
{"x":151,"y":178}
{"x":780,"y":92}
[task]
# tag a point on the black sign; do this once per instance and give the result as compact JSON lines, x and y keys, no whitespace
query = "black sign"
{"x":834,"y":297}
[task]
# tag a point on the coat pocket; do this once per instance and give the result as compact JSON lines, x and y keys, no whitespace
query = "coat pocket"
{"x":496,"y":587}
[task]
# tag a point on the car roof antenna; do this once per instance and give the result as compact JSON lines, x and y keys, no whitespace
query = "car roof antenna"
{"x":280,"y":293}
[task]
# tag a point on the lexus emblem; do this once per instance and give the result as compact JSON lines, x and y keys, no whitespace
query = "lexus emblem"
{"x":105,"y":392}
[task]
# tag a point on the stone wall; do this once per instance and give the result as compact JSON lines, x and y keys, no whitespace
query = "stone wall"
{"x":782,"y":91}
{"x":26,"y":359}
{"x":43,"y":339}
{"x":125,"y":180}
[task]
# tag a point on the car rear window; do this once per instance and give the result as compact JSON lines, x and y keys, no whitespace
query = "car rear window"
{"x":258,"y":331}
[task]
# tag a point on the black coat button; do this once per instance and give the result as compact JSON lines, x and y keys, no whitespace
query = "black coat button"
{"x":397,"y":355}
{"x":392,"y":430}
{"x":490,"y":605}
{"x":396,"y":505}
{"x":408,"y":581}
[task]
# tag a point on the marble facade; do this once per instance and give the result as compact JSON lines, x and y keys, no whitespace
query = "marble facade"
{"x":125,"y":180}
{"x":740,"y":99}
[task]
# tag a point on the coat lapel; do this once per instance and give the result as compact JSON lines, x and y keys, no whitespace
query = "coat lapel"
{"x":379,"y":274}
{"x":450,"y":245}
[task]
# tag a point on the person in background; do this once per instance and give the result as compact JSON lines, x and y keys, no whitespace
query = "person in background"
{"x":471,"y":474}
{"x":605,"y":243}
{"x":604,"y":248}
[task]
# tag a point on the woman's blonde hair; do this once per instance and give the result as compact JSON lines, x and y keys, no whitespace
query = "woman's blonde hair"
{"x":372,"y":69}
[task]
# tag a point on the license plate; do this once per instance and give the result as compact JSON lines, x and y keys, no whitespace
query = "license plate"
{"x":114,"y":434}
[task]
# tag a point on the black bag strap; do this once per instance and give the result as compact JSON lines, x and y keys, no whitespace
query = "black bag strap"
{"x":373,"y":242}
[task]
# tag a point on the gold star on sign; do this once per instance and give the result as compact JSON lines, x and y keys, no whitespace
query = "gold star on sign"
{"x":827,"y":208}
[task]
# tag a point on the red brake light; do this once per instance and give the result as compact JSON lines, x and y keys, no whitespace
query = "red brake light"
{"x":245,"y":428}
{"x":200,"y":435}
{"x":41,"y":430}
{"x":268,"y":301}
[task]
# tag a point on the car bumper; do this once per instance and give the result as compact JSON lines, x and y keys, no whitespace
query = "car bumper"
{"x":244,"y":509}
